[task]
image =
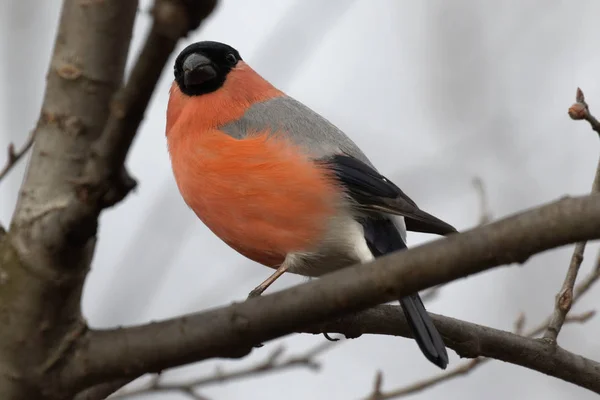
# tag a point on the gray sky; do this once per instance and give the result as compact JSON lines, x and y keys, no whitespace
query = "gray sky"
{"x":434,"y":92}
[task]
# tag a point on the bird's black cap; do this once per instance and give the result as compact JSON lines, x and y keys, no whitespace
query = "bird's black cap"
{"x":202,"y":67}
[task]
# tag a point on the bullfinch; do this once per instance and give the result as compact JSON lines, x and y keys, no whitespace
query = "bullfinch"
{"x":282,"y":185}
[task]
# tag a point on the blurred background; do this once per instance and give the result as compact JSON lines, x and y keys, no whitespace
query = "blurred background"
{"x":435,"y":92}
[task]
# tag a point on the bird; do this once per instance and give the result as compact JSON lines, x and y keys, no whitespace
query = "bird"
{"x":281,"y":184}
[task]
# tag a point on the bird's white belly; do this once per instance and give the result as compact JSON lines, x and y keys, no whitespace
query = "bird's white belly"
{"x":344,"y":245}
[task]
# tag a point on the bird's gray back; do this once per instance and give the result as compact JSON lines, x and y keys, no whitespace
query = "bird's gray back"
{"x":312,"y":132}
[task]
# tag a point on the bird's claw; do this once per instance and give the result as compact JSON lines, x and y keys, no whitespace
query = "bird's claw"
{"x":329,"y":337}
{"x":255,"y":293}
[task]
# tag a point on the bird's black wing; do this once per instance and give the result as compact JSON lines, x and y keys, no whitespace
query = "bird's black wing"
{"x":374,"y":192}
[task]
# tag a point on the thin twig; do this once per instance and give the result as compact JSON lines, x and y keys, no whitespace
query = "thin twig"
{"x":466,"y":367}
{"x":564,"y":298}
{"x":15,"y":156}
{"x":272,"y":363}
{"x":377,"y":384}
{"x":485,"y":215}
{"x":519,"y":325}
{"x":462,"y":369}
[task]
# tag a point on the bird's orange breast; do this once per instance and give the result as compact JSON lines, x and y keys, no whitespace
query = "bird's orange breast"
{"x":260,"y":195}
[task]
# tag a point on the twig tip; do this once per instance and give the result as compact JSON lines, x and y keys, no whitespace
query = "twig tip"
{"x":579,"y":96}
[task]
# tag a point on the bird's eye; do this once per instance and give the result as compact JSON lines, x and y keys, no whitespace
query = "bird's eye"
{"x":231,"y":58}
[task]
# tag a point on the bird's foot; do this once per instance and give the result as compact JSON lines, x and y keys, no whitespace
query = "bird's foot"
{"x":255,"y":292}
{"x":329,"y":337}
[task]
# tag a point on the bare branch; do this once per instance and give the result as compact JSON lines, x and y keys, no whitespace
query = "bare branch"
{"x":45,"y":255}
{"x":465,"y":368}
{"x":377,"y":384}
{"x":274,"y":362}
{"x":460,"y":370}
{"x":232,"y":331}
{"x":519,"y":324}
{"x":173,"y":19}
{"x":585,"y":285}
{"x":564,"y":298}
{"x":15,"y":155}
{"x":75,"y":171}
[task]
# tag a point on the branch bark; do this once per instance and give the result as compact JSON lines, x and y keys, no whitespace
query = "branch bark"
{"x":472,"y":341}
{"x":465,"y":368}
{"x":172,"y":20}
{"x":101,"y":356}
{"x":102,"y":391}
{"x":462,"y":369}
{"x":47,"y":252}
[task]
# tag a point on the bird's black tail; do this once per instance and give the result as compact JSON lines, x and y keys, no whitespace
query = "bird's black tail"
{"x":383,"y":237}
{"x":425,"y":333}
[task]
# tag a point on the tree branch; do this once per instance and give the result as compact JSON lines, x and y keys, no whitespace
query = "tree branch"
{"x":103,"y":390}
{"x":173,"y":19}
{"x":472,"y":341}
{"x":465,"y":368}
{"x":564,"y":298}
{"x":377,"y":384}
{"x":76,"y":170}
{"x":272,"y":363}
{"x":101,"y":356}
{"x":15,"y":155}
{"x":44,"y":257}
{"x":455,"y":372}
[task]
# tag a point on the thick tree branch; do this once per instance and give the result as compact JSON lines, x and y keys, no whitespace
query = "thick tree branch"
{"x":173,"y":19}
{"x":75,"y":171}
{"x":44,"y":257}
{"x":564,"y":298}
{"x":101,"y":356}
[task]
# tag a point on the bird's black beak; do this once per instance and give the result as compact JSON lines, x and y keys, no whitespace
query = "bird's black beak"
{"x":197,"y":69}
